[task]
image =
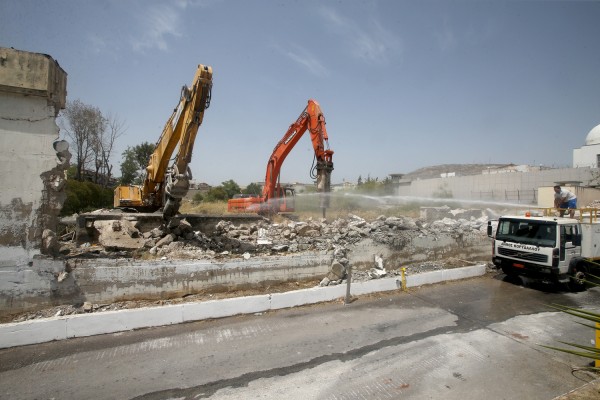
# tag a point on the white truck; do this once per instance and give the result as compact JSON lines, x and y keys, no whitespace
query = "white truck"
{"x":558,"y":249}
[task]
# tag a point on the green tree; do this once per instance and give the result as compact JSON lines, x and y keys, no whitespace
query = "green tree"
{"x":135,"y":161}
{"x":86,"y":196}
{"x":198,"y":197}
{"x":253,"y":188}
{"x":216,"y":194}
{"x":388,"y":186}
{"x":370,"y":185}
{"x":230,"y":187}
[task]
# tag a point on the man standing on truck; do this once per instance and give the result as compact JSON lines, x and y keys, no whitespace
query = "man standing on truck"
{"x":564,"y":199}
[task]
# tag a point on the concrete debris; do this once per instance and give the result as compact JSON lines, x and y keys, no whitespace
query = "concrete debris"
{"x":379,"y":262}
{"x":337,"y":271}
{"x":178,"y":240}
{"x":50,"y":243}
{"x":62,"y":276}
{"x":594,"y":204}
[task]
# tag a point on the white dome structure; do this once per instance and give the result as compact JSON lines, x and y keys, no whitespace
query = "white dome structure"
{"x":589,"y":154}
{"x":593,"y":137}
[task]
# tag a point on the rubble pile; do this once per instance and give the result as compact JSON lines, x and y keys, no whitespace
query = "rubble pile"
{"x":178,"y":240}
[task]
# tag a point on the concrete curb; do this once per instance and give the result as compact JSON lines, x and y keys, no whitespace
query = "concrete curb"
{"x":70,"y":326}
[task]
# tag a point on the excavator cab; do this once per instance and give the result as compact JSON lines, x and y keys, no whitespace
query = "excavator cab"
{"x":286,"y":199}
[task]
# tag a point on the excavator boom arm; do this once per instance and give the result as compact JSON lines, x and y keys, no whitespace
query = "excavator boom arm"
{"x":164,"y":186}
{"x":313,"y":120}
{"x":274,"y":198}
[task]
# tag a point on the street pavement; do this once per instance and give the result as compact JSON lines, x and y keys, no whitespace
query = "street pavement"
{"x":470,"y":339}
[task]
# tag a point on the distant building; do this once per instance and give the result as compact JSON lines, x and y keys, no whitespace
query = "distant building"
{"x":201,"y":187}
{"x":400,"y":180}
{"x":345,"y":185}
{"x":514,"y":168}
{"x":589,"y":154}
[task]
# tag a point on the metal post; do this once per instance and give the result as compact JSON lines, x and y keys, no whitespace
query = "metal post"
{"x":348,"y":281}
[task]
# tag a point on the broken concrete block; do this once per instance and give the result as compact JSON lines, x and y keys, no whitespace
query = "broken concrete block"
{"x":280,"y":247}
{"x":173,"y":223}
{"x":116,"y":226}
{"x":157,"y":233}
{"x":189,"y":235}
{"x":185,"y":227}
{"x":262,"y":237}
{"x":50,"y":243}
{"x":120,"y":239}
{"x":303,"y":229}
{"x":338,"y":270}
{"x":133,"y":232}
{"x":379,"y":261}
{"x":62,"y":276}
{"x":167,"y":240}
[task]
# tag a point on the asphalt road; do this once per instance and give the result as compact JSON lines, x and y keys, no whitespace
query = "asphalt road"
{"x":471,"y":339}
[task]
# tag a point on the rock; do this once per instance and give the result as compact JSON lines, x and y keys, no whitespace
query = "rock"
{"x":50,"y":243}
{"x":121,"y":239}
{"x":116,"y":226}
{"x":167,"y":240}
{"x":338,"y":270}
{"x":185,"y":226}
{"x":173,"y":223}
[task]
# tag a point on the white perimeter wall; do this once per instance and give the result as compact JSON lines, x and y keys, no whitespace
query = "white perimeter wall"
{"x":512,"y":187}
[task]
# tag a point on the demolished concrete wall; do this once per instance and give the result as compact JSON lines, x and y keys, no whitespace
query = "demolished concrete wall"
{"x":230,"y":257}
{"x":32,"y":92}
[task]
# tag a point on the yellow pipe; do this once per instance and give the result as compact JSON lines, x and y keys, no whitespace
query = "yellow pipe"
{"x":597,"y":362}
{"x":403,"y":279}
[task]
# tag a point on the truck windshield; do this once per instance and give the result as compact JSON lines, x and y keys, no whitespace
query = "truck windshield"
{"x":527,"y":232}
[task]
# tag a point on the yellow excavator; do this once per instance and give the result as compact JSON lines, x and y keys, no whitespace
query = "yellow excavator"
{"x":165,"y":186}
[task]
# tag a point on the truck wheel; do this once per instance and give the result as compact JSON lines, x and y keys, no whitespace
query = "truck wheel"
{"x":578,"y":276}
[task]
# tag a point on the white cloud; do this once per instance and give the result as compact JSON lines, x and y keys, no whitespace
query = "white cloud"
{"x":158,"y":23}
{"x":197,"y":3}
{"x":305,"y":58}
{"x":370,"y":42}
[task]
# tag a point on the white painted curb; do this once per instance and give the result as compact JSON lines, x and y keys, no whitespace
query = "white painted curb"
{"x":70,"y":326}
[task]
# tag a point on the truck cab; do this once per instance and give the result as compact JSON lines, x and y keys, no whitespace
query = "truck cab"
{"x":553,"y":248}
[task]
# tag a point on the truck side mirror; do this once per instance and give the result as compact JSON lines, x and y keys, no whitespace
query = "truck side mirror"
{"x":489,"y":229}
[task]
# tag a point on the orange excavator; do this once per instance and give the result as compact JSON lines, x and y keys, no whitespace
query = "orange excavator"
{"x":275,"y":198}
{"x":165,"y":186}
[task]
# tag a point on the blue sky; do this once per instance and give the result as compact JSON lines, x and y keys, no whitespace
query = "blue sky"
{"x":402,"y":84}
